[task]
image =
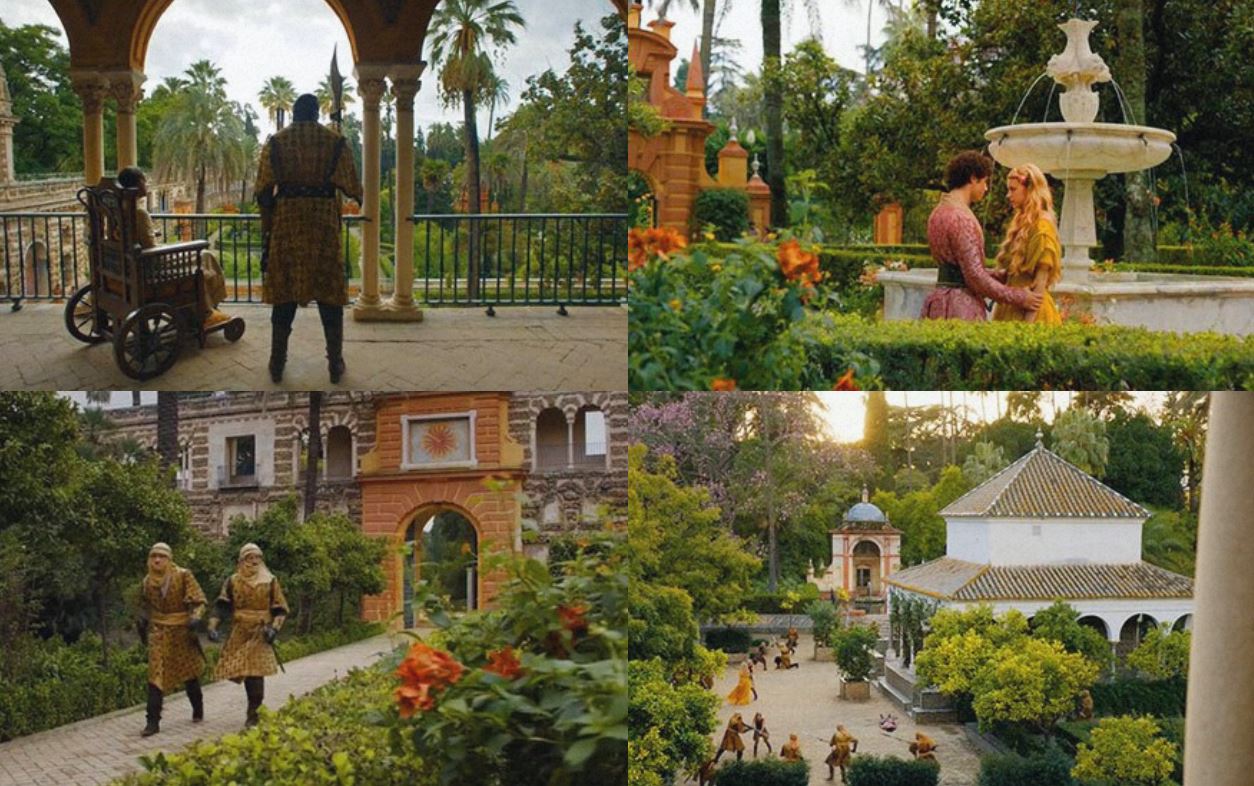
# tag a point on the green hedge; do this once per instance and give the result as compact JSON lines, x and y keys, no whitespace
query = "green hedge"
{"x":726,"y":208}
{"x":764,"y":772}
{"x":1049,"y":768}
{"x":1191,"y":270}
{"x":62,"y":683}
{"x":728,"y":639}
{"x":329,"y":736}
{"x":957,"y":355}
{"x":1162,"y":698}
{"x":890,"y":771}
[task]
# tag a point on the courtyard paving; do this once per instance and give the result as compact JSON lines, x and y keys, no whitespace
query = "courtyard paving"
{"x":806,"y":702}
{"x":521,"y":348}
{"x":97,"y":750}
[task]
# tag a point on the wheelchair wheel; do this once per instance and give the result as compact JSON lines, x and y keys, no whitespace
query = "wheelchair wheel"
{"x":234,"y":330}
{"x":80,"y":318}
{"x":147,"y":344}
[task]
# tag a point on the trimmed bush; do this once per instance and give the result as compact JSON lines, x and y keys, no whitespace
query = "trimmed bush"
{"x":728,"y":639}
{"x":1163,"y":698}
{"x":1048,"y":768}
{"x":1191,"y":270}
{"x":764,"y":772}
{"x":726,"y":208}
{"x":957,"y":355}
{"x":891,"y":771}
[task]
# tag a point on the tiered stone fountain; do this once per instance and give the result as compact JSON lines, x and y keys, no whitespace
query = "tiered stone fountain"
{"x":1080,"y":152}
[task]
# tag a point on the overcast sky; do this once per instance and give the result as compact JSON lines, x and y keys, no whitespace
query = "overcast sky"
{"x":843,"y":27}
{"x":252,"y":40}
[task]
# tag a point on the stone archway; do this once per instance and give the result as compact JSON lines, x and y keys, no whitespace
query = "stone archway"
{"x":1096,"y":623}
{"x":1183,"y":623}
{"x":441,"y":545}
{"x":1133,"y":631}
{"x":866,"y":569}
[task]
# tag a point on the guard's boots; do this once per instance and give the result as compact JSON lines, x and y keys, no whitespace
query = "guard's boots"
{"x":279,"y":333}
{"x":197,"y":699}
{"x":255,"y":687}
{"x":154,"y":711}
{"x":333,"y":329}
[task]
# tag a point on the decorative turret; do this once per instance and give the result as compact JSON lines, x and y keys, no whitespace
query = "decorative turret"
{"x":695,"y":88}
{"x":733,"y":163}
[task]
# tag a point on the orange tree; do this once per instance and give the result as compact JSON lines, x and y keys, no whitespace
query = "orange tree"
{"x":532,"y":692}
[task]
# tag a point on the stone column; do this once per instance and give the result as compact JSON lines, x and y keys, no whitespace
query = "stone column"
{"x":91,"y":91}
{"x":404,"y":85}
{"x":1221,"y":673}
{"x":125,"y":89}
{"x":370,"y":86}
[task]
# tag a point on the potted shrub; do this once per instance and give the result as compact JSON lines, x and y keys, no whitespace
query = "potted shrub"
{"x":823,"y":615}
{"x":852,"y":647}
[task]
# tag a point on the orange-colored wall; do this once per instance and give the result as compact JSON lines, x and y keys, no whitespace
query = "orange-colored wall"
{"x":392,"y":497}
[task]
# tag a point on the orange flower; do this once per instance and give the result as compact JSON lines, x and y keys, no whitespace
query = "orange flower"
{"x":505,"y":663}
{"x":723,"y":383}
{"x":846,"y":382}
{"x":645,"y":244}
{"x":424,"y":672}
{"x":798,"y":265}
{"x":572,"y":617}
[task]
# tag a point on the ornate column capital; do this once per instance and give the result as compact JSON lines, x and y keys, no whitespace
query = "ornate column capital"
{"x":404,"y":91}
{"x":91,"y":91}
{"x":371,"y":91}
{"x":125,"y":89}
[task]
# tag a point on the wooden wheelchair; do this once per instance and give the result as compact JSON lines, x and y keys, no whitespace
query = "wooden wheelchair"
{"x":145,"y":300}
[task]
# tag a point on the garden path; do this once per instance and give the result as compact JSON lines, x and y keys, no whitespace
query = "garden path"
{"x":805,"y":701}
{"x":97,"y":750}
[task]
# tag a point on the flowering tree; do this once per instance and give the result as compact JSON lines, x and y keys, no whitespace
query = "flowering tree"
{"x":533,"y":691}
{"x":1127,"y":751}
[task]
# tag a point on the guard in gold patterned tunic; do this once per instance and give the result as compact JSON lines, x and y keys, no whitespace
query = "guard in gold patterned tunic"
{"x":255,"y":601}
{"x":298,"y":175}
{"x":171,"y":606}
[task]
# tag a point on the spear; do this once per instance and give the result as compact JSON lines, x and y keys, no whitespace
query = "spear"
{"x":337,"y":91}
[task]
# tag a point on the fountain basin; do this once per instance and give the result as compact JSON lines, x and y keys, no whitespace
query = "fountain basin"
{"x":1064,"y":149}
{"x":1177,"y":303}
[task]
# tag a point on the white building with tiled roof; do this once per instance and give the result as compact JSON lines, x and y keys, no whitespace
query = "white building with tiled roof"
{"x":1043,"y":530}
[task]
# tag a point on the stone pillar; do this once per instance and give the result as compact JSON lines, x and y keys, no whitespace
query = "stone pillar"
{"x":91,"y":91}
{"x":125,"y":89}
{"x":570,"y":442}
{"x":7,"y":121}
{"x":370,"y":86}
{"x":1221,"y":675}
{"x":404,"y":85}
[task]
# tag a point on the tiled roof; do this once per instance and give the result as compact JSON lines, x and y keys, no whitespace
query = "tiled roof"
{"x":1044,"y":485}
{"x":952,"y":579}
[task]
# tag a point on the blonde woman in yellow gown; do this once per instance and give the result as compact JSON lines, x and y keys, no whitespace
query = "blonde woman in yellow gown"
{"x":1030,"y":257}
{"x":744,"y":691}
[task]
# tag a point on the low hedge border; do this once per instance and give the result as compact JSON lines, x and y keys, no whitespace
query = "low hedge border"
{"x":957,"y":355}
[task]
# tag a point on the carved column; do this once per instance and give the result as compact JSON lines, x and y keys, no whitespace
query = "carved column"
{"x":91,"y":91}
{"x":404,"y":85}
{"x":125,"y":89}
{"x":370,"y":86}
{"x":1221,"y":674}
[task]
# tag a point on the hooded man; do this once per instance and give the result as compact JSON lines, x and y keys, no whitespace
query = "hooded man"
{"x":171,"y":606}
{"x":300,"y":171}
{"x":253,"y":598}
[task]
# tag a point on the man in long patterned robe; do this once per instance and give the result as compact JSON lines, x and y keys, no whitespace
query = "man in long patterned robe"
{"x":171,"y":606}
{"x":301,"y":170}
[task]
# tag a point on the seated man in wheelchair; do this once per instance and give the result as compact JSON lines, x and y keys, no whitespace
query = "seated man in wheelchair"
{"x":215,"y":281}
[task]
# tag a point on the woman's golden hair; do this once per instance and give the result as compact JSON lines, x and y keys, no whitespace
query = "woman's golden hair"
{"x":1039,"y":204}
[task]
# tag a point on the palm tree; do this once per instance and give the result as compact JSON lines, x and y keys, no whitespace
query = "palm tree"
{"x":461,"y":33}
{"x":201,"y":136}
{"x":774,"y":101}
{"x":314,"y":452}
{"x":276,"y":96}
{"x":496,"y":167}
{"x":432,"y":173}
{"x":496,"y":93}
{"x":325,"y":99}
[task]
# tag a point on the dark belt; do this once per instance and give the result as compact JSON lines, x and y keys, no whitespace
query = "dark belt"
{"x":948,"y":275}
{"x":287,"y":190}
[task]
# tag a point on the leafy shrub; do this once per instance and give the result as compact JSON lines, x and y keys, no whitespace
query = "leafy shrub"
{"x":728,"y":639}
{"x":1049,"y":768}
{"x":852,"y":647}
{"x":1139,"y":697}
{"x":891,"y":771}
{"x":1192,"y":270}
{"x":329,"y":736}
{"x":823,"y":614}
{"x":764,"y":772}
{"x":727,"y":209}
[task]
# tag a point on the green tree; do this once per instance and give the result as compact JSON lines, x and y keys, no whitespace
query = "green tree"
{"x":49,"y":136}
{"x":852,"y":647}
{"x":1059,"y":622}
{"x":277,"y":96}
{"x":817,"y":91}
{"x":463,"y":33}
{"x":1169,"y":540}
{"x":917,"y":515}
{"x":985,"y":461}
{"x":326,"y":100}
{"x":433,"y":175}
{"x":1145,"y":463}
{"x":675,"y":538}
{"x":1126,"y":751}
{"x":1080,"y":438}
{"x":353,"y":561}
{"x":668,"y":725}
{"x":1162,"y":654}
{"x":1186,"y":414}
{"x":1035,"y":682}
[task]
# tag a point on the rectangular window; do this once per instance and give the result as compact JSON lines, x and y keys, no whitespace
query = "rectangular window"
{"x":594,"y":433}
{"x":864,"y":577}
{"x":242,"y":460}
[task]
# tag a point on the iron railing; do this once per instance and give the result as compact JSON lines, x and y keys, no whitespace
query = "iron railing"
{"x":523,"y":258}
